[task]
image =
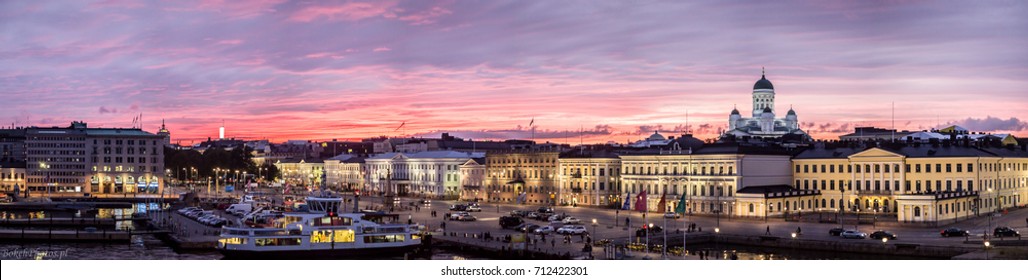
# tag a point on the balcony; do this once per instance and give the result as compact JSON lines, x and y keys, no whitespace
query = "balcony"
{"x":576,"y":190}
{"x":576,"y":175}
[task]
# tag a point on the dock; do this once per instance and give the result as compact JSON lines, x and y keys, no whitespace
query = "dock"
{"x":64,"y":235}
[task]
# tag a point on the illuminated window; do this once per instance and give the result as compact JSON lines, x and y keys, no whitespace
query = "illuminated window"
{"x":327,"y":236}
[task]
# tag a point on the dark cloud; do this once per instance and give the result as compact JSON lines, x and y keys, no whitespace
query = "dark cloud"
{"x":991,"y":123}
{"x":105,"y":110}
{"x":520,"y":132}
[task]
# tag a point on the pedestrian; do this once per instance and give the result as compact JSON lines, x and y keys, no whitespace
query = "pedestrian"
{"x":553,"y":243}
{"x":799,"y":231}
{"x":627,"y":221}
{"x":768,"y":232}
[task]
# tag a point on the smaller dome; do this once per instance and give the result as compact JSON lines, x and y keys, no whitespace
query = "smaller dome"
{"x":735,"y":111}
{"x":791,"y":112}
{"x":656,"y":137}
{"x":767,"y":110}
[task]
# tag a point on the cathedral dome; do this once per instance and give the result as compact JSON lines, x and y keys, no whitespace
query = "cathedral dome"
{"x":763,"y":83}
{"x":791,"y":112}
{"x":735,"y":112}
{"x":767,"y":110}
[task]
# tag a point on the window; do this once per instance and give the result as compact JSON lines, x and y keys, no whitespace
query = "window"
{"x":328,"y":236}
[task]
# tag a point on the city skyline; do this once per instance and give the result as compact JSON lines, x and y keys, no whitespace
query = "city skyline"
{"x":589,"y":72}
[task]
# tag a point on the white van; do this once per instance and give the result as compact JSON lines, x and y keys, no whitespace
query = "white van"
{"x":239,"y":209}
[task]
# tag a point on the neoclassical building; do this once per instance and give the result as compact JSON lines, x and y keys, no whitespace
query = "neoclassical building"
{"x":472,"y":180}
{"x":345,"y":172}
{"x":523,"y":176}
{"x":589,"y":178}
{"x":434,"y":174}
{"x":708,"y":177}
{"x":763,"y":123}
{"x":914,"y":183}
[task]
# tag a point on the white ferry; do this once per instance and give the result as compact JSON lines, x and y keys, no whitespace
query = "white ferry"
{"x":320,"y":232}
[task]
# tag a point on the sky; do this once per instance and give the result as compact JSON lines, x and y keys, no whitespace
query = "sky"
{"x":558,"y":71}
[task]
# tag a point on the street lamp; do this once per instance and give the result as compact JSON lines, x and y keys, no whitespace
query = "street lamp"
{"x":987,"y":245}
{"x":594,"y":226}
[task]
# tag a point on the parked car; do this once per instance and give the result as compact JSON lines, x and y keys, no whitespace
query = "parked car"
{"x":425,"y":202}
{"x":672,"y":215}
{"x":835,"y":231}
{"x":1005,"y":232}
{"x":881,"y":234}
{"x":519,"y":213}
{"x":572,"y":229}
{"x":508,"y":222}
{"x":852,"y":234}
{"x":950,"y":232}
{"x":458,"y":207}
{"x":557,"y":218}
{"x":544,"y":229}
{"x":653,"y":230}
{"x":529,"y":228}
{"x":473,"y":208}
{"x":464,"y":216}
{"x":544,"y":210}
{"x":571,"y":221}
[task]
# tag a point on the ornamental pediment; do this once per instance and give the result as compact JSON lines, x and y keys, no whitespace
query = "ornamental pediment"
{"x":875,"y":154}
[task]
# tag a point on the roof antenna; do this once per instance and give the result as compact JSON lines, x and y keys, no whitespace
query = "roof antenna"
{"x":762,"y":71}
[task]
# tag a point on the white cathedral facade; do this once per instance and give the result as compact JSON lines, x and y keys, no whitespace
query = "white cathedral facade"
{"x":763,"y":124}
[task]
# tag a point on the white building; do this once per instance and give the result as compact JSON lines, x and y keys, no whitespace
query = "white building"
{"x":472,"y":180}
{"x":344,"y":172}
{"x":763,"y":123}
{"x":424,"y":174}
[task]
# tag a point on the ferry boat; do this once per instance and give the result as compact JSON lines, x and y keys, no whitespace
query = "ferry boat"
{"x":320,"y":232}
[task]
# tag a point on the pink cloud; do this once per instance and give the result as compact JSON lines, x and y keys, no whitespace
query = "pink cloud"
{"x":426,"y":17}
{"x":352,"y":11}
{"x":230,"y":42}
{"x":382,"y":49}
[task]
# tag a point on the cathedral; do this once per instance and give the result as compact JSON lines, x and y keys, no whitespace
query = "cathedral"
{"x":763,"y":124}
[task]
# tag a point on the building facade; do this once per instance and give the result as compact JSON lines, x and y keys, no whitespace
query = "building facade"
{"x":914,"y":183}
{"x":589,"y":178}
{"x":78,"y":160}
{"x":301,"y":172}
{"x":472,"y":180}
{"x":12,"y":177}
{"x":345,"y":172}
{"x":528,"y":176}
{"x":708,"y":178}
{"x":433,"y":174}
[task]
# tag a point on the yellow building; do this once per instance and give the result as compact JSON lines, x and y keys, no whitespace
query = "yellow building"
{"x":301,"y":172}
{"x":523,"y":176}
{"x":937,"y":183}
{"x":589,"y":178}
{"x":709,"y":177}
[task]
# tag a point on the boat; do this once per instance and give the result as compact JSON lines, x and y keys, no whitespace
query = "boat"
{"x":320,"y":232}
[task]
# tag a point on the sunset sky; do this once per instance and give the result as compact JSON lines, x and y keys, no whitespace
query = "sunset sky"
{"x":611,"y":70}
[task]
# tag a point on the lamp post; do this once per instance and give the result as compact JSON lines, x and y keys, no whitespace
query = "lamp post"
{"x":664,"y":248}
{"x":594,"y":226}
{"x":987,"y":245}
